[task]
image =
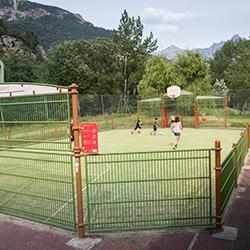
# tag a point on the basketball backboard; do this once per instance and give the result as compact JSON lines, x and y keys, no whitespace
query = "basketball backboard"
{"x":173,"y":91}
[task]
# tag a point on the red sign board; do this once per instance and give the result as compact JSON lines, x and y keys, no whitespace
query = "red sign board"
{"x":89,"y":138}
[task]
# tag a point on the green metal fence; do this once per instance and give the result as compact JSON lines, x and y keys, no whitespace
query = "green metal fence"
{"x":129,"y":191}
{"x":213,"y":109}
{"x":242,"y":150}
{"x":228,"y":180}
{"x":36,"y":174}
{"x":231,"y":168}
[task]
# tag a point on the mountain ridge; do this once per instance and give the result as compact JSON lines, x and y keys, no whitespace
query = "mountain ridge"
{"x":172,"y":51}
{"x":51,"y":24}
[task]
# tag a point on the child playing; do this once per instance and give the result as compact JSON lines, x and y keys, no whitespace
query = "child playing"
{"x":155,"y":126}
{"x":177,"y":130}
{"x":172,"y":120}
{"x":137,"y":126}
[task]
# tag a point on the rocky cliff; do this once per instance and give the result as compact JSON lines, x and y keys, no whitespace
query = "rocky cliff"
{"x":51,"y":24}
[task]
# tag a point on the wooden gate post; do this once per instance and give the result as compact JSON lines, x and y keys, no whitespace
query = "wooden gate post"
{"x":196,"y":113}
{"x":77,"y":156}
{"x":225,"y":111}
{"x":218,"y":215}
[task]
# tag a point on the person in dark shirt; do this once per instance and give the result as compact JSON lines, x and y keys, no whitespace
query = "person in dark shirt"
{"x":71,"y":130}
{"x":137,"y":126}
{"x":155,"y":126}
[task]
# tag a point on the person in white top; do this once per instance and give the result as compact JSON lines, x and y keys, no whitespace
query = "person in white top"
{"x":172,"y":119}
{"x":177,"y":127}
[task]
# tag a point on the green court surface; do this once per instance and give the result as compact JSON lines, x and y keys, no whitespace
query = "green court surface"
{"x":121,"y":140}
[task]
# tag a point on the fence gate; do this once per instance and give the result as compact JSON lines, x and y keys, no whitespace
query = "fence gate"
{"x":36,"y":176}
{"x":128,"y":191}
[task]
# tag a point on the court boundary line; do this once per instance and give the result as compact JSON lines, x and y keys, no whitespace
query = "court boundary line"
{"x":65,"y":204}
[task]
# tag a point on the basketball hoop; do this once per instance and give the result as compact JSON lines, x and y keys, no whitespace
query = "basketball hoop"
{"x":173,"y":92}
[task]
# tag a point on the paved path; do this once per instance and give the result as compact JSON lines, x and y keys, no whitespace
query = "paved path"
{"x":17,"y":234}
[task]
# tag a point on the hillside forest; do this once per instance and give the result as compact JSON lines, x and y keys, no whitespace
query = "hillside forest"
{"x":126,"y":65}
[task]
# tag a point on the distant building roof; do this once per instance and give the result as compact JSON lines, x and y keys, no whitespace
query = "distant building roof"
{"x":18,"y":89}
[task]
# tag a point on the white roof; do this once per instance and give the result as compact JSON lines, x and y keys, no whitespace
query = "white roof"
{"x":17,"y":89}
{"x":209,"y":97}
{"x":151,"y":100}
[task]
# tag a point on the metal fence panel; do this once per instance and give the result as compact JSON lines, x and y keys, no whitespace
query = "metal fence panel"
{"x":227,"y":179}
{"x":148,"y":190}
{"x":36,"y":174}
{"x":231,"y":168}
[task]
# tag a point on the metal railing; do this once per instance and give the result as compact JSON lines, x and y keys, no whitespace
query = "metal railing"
{"x":228,"y":171}
{"x":129,"y":191}
{"x":36,"y":170}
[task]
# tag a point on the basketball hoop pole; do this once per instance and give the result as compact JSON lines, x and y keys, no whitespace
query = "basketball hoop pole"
{"x":164,"y":113}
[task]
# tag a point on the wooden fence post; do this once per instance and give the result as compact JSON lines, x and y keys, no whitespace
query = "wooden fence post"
{"x":235,"y":149}
{"x":196,"y":113}
{"x":218,"y":215}
{"x":77,"y":155}
{"x":242,"y":134}
{"x":57,"y":133}
{"x":42,"y":133}
{"x":8,"y":136}
{"x":138,"y":108}
{"x":225,"y":111}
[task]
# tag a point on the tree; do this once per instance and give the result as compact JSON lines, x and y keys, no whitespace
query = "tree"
{"x":22,"y":67}
{"x":220,"y":88}
{"x":106,"y":66}
{"x":231,"y":63}
{"x":194,"y":71}
{"x":238,"y":76}
{"x":67,"y":62}
{"x":222,"y":59}
{"x":91,"y":64}
{"x":132,"y":49}
{"x":158,"y":75}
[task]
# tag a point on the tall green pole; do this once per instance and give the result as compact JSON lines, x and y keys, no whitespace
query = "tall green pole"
{"x":1,"y":72}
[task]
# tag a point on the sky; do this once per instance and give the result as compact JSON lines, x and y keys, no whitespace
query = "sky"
{"x":184,"y":23}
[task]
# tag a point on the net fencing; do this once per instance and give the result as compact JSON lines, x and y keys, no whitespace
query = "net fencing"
{"x":108,"y":111}
{"x":111,"y":112}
